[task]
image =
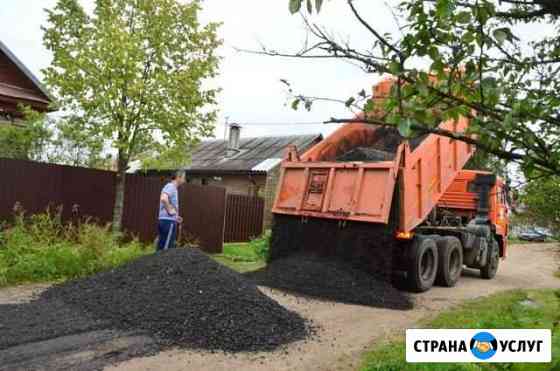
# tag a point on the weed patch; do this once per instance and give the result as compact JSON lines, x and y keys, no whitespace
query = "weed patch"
{"x":42,"y":248}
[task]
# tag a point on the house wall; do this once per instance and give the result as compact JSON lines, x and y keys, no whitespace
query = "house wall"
{"x":234,"y":184}
{"x":10,"y":74}
{"x":269,"y":195}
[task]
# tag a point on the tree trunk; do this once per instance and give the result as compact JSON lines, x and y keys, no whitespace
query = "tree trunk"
{"x":118,"y":208}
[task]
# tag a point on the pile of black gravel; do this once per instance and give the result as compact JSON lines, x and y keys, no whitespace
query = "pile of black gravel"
{"x":383,"y":149}
{"x":182,"y":297}
{"x":366,"y":154}
{"x":330,"y":279}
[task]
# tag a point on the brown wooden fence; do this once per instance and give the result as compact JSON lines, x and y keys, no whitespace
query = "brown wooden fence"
{"x":37,"y":186}
{"x":244,"y":218}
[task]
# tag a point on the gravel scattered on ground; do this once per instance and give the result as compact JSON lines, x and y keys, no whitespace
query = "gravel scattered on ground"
{"x":182,"y":297}
{"x":41,"y":320}
{"x":330,"y":279}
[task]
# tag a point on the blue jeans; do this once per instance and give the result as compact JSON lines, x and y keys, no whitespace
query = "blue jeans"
{"x":167,"y":234}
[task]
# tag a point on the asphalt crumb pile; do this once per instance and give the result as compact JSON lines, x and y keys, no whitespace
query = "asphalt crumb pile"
{"x":389,"y":140}
{"x":366,"y":154}
{"x":331,"y":279}
{"x":383,"y":149}
{"x":183,"y":298}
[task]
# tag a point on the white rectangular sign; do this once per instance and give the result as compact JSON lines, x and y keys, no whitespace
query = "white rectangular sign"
{"x":462,"y":346}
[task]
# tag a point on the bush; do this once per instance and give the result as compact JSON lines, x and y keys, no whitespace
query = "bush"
{"x":41,"y":248}
{"x":261,"y":245}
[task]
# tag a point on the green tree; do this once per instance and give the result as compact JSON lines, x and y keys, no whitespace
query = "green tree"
{"x":132,"y":74}
{"x":171,"y":158}
{"x":541,"y":199}
{"x":26,"y":140}
{"x":75,"y":147}
{"x":494,"y":61}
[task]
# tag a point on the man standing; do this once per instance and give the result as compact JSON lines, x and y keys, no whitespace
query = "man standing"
{"x":169,"y":212}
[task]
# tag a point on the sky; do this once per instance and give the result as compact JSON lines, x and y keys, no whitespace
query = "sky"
{"x":252,"y":94}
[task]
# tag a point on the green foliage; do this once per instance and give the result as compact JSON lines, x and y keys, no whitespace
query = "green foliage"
{"x":261,"y":245}
{"x":295,"y":5}
{"x":504,"y":310}
{"x":76,"y":148}
{"x":541,"y":199}
{"x":133,"y":69}
{"x":241,"y":252}
{"x":40,"y":138}
{"x":41,"y":248}
{"x":483,"y":64}
{"x":170,"y":159}
{"x":255,"y":250}
{"x":131,"y":76}
{"x":25,"y":140}
{"x":485,"y":161}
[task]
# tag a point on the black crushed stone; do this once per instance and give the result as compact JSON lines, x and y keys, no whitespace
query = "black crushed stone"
{"x":42,"y":320}
{"x":366,"y":154}
{"x":332,"y":280}
{"x":389,"y":139}
{"x":181,"y":297}
{"x":383,"y":149}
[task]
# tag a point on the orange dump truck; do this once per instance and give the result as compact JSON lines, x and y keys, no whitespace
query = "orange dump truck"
{"x":403,"y":208}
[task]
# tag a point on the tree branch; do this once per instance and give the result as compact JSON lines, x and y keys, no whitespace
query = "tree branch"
{"x":424,"y":129}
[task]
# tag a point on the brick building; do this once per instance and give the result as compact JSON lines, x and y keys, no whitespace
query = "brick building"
{"x":246,"y":166}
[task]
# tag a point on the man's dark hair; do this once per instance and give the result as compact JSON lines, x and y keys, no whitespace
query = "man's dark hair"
{"x":177,"y":174}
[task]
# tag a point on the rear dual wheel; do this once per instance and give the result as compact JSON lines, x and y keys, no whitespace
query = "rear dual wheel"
{"x":450,"y":265}
{"x":423,"y":264}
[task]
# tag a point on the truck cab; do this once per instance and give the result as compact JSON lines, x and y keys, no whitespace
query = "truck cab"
{"x":461,"y":201}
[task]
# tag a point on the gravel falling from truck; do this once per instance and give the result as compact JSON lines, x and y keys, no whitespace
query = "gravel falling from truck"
{"x":330,"y":279}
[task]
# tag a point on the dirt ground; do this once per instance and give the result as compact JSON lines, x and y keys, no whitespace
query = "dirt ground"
{"x":347,"y":330}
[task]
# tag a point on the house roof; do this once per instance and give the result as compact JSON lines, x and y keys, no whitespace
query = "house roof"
{"x":33,"y":91}
{"x":255,"y":155}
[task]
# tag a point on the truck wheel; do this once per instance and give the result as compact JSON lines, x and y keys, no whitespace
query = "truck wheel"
{"x":450,"y":264}
{"x":491,"y":268}
{"x":423,"y":264}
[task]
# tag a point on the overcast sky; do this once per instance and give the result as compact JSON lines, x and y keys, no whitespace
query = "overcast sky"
{"x":252,"y":93}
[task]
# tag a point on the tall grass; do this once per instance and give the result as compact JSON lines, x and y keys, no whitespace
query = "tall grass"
{"x":42,"y":248}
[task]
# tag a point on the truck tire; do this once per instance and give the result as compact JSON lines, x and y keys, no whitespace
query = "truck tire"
{"x":450,"y":263}
{"x":491,"y":268}
{"x":423,"y":264}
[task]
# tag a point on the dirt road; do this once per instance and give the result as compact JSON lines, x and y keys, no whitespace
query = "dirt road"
{"x":346,"y":330}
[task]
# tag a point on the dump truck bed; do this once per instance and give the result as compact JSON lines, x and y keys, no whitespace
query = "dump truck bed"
{"x":316,"y":185}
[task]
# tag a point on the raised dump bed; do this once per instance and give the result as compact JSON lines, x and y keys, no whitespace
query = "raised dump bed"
{"x":322,"y":184}
{"x":367,"y":194}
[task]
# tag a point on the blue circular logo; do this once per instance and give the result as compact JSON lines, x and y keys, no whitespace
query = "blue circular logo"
{"x":483,"y":345}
